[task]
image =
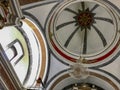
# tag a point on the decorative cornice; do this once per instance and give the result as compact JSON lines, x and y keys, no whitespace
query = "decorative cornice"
{"x":10,"y":13}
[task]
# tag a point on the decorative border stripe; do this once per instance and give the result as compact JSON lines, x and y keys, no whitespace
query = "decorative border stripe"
{"x":43,"y":49}
{"x":91,"y":73}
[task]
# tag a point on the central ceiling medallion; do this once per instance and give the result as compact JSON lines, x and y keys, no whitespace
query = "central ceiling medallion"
{"x":84,"y":18}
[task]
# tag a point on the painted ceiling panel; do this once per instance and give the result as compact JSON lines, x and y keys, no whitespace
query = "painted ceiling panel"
{"x":60,"y":21}
{"x":68,"y":44}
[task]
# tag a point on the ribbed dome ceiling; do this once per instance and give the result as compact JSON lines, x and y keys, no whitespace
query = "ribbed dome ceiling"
{"x":79,"y":28}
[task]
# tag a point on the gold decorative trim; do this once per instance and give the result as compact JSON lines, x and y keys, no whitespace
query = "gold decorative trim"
{"x":43,"y":49}
{"x":92,"y":74}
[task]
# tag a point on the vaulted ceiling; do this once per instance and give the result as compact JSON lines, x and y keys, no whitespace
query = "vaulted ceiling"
{"x":66,"y":43}
{"x":73,"y":29}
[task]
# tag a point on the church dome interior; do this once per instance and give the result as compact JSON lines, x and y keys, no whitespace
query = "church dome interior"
{"x":59,"y":44}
